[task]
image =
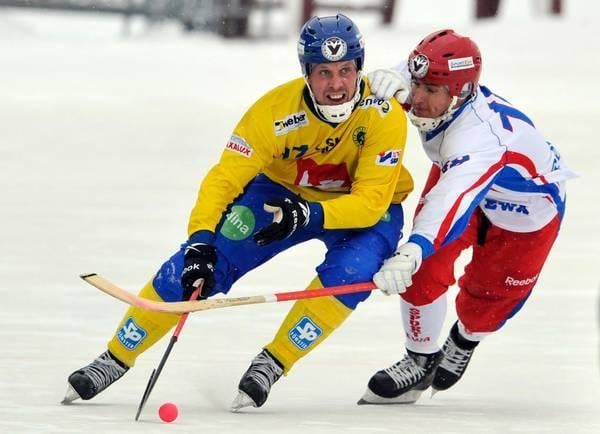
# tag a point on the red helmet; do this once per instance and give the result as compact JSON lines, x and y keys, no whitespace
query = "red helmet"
{"x":447,"y":58}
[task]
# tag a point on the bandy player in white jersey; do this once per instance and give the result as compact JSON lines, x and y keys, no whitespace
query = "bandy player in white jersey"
{"x":496,"y":185}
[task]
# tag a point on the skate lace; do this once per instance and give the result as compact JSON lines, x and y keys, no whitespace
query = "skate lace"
{"x":264,"y":371}
{"x":103,"y":371}
{"x":405,"y":372}
{"x":455,"y":358}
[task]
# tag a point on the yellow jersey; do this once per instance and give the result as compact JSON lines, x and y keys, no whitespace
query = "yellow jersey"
{"x":353,"y":169}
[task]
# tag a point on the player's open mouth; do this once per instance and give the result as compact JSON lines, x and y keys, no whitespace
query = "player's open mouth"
{"x":336,"y":98}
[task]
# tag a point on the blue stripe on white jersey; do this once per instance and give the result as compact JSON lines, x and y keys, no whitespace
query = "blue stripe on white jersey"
{"x":512,"y":180}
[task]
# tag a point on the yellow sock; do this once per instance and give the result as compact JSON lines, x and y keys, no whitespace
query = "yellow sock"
{"x":307,"y":324}
{"x":140,"y":329}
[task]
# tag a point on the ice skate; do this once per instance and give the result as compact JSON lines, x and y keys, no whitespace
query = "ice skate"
{"x":87,"y":382}
{"x":256,"y":382}
{"x":457,"y":354}
{"x":403,"y":382}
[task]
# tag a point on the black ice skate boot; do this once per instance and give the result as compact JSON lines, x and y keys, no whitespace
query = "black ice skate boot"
{"x":256,"y":382}
{"x":403,"y":382}
{"x":87,"y":382}
{"x":457,"y":354}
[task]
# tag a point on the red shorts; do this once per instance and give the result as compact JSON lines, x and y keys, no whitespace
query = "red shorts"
{"x":502,"y":272}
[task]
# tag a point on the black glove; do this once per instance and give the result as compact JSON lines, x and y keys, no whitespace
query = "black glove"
{"x":198,"y":263}
{"x":288,"y":215}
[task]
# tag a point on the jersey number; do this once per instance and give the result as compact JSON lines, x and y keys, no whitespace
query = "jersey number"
{"x":299,"y":150}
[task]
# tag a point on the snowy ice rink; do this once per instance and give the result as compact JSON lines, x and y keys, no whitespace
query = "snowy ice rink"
{"x":103,"y":143}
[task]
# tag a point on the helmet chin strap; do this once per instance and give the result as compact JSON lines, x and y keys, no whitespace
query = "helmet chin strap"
{"x":338,"y":113}
{"x":429,"y":124}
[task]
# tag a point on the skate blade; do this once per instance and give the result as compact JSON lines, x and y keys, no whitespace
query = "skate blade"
{"x":242,"y":400}
{"x":70,"y":396}
{"x":370,"y":398}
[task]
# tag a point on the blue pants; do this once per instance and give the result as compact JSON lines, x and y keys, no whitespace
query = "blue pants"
{"x":352,"y":256}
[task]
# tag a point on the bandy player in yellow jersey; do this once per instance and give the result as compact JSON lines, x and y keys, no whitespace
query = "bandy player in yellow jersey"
{"x":318,"y":157}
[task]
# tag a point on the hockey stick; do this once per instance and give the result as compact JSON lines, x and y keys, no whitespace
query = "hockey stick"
{"x":194,"y":306}
{"x":156,"y":372}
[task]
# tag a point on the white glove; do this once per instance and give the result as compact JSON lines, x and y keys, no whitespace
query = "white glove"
{"x":386,"y":83}
{"x":396,"y":273}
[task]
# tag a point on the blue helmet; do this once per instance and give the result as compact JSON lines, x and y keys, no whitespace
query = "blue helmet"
{"x":330,"y":39}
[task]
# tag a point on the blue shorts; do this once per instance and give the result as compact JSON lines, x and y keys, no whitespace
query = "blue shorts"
{"x":352,"y":256}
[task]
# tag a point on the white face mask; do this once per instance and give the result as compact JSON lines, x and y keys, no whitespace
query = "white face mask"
{"x":426,"y":125}
{"x":338,"y":113}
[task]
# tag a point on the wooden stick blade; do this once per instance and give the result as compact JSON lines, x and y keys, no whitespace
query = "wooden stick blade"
{"x":177,"y":307}
{"x":180,"y":307}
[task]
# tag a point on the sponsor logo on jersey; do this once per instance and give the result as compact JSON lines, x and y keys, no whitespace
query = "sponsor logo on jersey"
{"x":238,"y":145}
{"x":239,"y":223}
{"x":383,"y":105}
{"x":511,"y":281}
{"x":323,"y":176}
{"x":418,"y":66}
{"x":461,"y":63}
{"x":455,"y":162}
{"x":359,"y":135}
{"x":388,"y":158}
{"x":291,"y":122}
{"x":500,"y":205}
{"x":556,"y":156}
{"x":131,"y":334}
{"x":330,"y":143}
{"x":304,"y":333}
{"x":334,"y":48}
{"x":370,"y":101}
{"x":385,"y":108}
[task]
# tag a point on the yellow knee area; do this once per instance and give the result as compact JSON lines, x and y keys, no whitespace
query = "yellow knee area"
{"x":140,"y":329}
{"x":309,"y":322}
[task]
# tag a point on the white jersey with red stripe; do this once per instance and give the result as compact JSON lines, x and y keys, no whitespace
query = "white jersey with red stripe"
{"x":488,"y":155}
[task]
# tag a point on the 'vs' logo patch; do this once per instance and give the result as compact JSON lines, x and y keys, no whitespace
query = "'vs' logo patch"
{"x":131,"y":334}
{"x":388,"y":158}
{"x":304,"y":333}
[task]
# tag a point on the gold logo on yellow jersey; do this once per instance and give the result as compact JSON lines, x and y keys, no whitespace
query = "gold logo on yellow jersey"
{"x":359,"y":135}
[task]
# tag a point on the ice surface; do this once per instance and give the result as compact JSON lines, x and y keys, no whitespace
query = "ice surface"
{"x":103,"y":142}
